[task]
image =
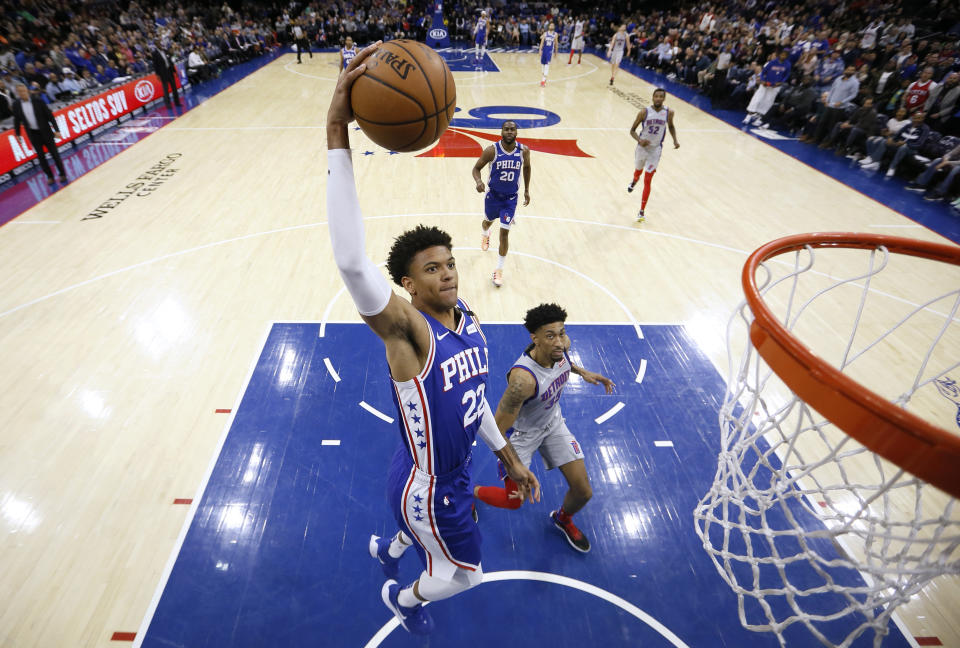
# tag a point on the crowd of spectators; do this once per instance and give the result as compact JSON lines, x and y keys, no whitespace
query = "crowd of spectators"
{"x":64,"y":50}
{"x":875,"y":80}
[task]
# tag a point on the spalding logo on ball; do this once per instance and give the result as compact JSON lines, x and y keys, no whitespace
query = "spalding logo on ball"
{"x":406,"y":97}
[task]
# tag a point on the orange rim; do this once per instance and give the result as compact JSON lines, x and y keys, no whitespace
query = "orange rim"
{"x":918,"y":446}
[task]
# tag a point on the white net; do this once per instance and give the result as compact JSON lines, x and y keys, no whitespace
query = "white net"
{"x":814,"y":532}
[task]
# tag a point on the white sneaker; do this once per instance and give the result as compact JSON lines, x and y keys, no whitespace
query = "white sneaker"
{"x":873,"y":166}
{"x":764,"y":124}
{"x":890,"y":172}
{"x":497,"y":278}
{"x":485,"y":242}
{"x":865,"y":161}
{"x":853,"y":156}
{"x":748,"y":118}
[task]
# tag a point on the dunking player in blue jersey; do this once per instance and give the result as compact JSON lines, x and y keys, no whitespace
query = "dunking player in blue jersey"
{"x":530,"y":406}
{"x":509,"y":158}
{"x":548,"y":47}
{"x":437,"y":357}
{"x":347,"y":53}
{"x":480,"y":36}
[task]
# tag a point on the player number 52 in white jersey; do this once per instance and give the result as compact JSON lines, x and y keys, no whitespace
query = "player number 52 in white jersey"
{"x":655,"y":126}
{"x":653,"y":130}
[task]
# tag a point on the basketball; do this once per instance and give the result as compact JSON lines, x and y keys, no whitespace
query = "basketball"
{"x":406,"y":97}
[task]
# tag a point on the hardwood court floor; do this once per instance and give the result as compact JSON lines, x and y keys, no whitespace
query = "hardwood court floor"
{"x":121,"y":335}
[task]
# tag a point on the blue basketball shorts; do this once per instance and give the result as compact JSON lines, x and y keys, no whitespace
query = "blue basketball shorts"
{"x":436,"y":512}
{"x":502,"y":206}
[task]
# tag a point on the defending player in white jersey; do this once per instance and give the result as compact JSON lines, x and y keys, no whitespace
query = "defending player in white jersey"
{"x":530,"y":406}
{"x":619,"y":43}
{"x":577,"y":43}
{"x":437,"y":357}
{"x":656,"y":120}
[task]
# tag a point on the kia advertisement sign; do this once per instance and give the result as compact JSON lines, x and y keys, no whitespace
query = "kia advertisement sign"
{"x":81,"y":118}
{"x":438,"y":36}
{"x":143,"y":91}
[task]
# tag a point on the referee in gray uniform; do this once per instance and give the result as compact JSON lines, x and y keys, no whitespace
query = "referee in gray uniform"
{"x":530,"y":406}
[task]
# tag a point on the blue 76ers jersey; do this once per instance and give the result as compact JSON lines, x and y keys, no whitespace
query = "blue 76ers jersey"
{"x":440,"y":409}
{"x":549,"y":39}
{"x":481,"y":30}
{"x":505,"y":170}
{"x":348,"y":55}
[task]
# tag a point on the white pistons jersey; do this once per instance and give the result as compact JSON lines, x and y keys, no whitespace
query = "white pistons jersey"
{"x":578,"y":35}
{"x":619,"y":42}
{"x":655,"y":126}
{"x":542,"y":411}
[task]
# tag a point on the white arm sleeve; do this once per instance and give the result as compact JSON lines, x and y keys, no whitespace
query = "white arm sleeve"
{"x":365,"y":282}
{"x":489,"y":431}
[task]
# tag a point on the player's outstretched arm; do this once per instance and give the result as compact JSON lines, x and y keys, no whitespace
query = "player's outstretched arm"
{"x":593,"y":377}
{"x":590,"y":376}
{"x":672,"y":128}
{"x":526,"y":175}
{"x":392,"y":318}
{"x":485,"y":158}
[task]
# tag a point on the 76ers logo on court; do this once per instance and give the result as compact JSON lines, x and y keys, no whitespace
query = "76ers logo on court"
{"x":460,"y":140}
{"x":143,"y":91}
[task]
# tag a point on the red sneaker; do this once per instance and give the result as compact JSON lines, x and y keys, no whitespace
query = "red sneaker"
{"x":574,"y":535}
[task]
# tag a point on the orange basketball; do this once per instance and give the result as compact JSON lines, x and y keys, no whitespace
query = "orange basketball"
{"x":406,"y":97}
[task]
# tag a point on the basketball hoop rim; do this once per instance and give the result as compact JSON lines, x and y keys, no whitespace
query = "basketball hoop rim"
{"x":920,"y":447}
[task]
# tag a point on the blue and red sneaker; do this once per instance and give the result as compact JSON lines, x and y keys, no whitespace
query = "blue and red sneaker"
{"x":380,"y":549}
{"x":415,"y":620}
